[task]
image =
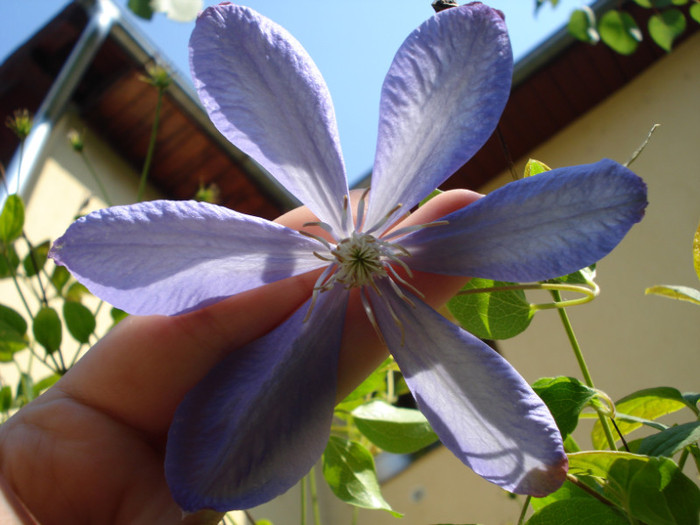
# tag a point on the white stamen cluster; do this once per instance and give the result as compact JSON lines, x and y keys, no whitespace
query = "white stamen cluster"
{"x":358,"y":260}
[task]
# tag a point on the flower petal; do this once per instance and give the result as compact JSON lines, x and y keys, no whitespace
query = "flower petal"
{"x":264,"y":93}
{"x":441,"y":100}
{"x":478,"y":405}
{"x":537,"y":228}
{"x":167,"y":257}
{"x":261,"y":418}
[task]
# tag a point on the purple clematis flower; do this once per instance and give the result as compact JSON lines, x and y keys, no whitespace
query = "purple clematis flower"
{"x":261,"y":418}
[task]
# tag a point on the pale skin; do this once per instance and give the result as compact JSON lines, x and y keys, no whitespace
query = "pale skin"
{"x":91,"y":449}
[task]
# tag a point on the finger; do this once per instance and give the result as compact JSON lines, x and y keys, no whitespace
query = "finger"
{"x":142,"y":369}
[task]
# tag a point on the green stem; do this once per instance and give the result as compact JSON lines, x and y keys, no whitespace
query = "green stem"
{"x":683,"y":458}
{"x":37,"y":272}
{"x":151,"y":147}
{"x":582,"y":365}
{"x":314,"y":496}
{"x":303,"y":500}
{"x":523,"y":512}
{"x":589,"y":293}
{"x":98,"y":181}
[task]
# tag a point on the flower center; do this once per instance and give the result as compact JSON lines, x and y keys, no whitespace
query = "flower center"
{"x":359,"y":258}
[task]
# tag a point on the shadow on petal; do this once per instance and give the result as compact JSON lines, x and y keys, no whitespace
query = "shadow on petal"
{"x":260,"y":419}
{"x":479,"y":406}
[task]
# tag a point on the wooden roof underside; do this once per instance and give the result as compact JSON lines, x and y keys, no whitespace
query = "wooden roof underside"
{"x":119,"y":106}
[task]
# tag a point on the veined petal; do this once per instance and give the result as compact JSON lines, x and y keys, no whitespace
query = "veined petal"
{"x":536,"y":228}
{"x":257,"y":423}
{"x":441,"y":100}
{"x":264,"y":93}
{"x":478,"y":405}
{"x":167,"y":257}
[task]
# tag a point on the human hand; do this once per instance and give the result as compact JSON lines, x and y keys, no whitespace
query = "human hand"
{"x":91,"y":449}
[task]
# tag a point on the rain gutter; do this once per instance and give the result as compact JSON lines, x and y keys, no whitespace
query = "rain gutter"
{"x":101,"y":18}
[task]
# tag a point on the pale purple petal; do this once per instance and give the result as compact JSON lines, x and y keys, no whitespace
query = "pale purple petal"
{"x":264,"y":94}
{"x":167,"y":257}
{"x":257,"y":423}
{"x":478,"y":405}
{"x":536,"y":228}
{"x":441,"y":100}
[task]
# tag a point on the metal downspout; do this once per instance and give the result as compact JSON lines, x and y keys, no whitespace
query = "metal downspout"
{"x":101,"y":17}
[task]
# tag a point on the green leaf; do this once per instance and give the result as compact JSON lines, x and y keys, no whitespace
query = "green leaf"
{"x":34,"y":261}
{"x":583,"y":276}
{"x":619,"y":31}
{"x":9,"y":261}
{"x":666,"y":26}
{"x":60,"y":277}
{"x":79,"y":320}
{"x":694,"y":12}
{"x":491,"y":315}
{"x":567,"y":491}
{"x":375,"y":382}
{"x":12,"y":319}
{"x":25,"y":389}
{"x":578,"y":511}
{"x":13,"y":328}
{"x":5,"y":398}
{"x":117,"y":315}
{"x":349,"y":470}
{"x":582,"y":25}
{"x":432,"y":194}
{"x":650,"y":403}
{"x":535,"y":167}
{"x":397,"y":430}
{"x":653,"y":3}
{"x":141,"y":8}
{"x":671,"y":440}
{"x":47,"y":329}
{"x":565,"y":397}
{"x":44,"y":384}
{"x":75,"y":292}
{"x":652,"y":489}
{"x":11,"y":219}
{"x":682,"y":293}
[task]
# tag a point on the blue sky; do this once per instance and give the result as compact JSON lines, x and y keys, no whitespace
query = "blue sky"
{"x":352,"y":42}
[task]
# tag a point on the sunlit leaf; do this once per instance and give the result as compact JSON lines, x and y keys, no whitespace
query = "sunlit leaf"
{"x":47,"y":329}
{"x":694,"y":12}
{"x":583,"y":276}
{"x":666,"y":26}
{"x":45,"y":383}
{"x":650,"y":403}
{"x":652,"y":489}
{"x":75,"y":292}
{"x":376,"y":381}
{"x":117,"y":315}
{"x":11,"y":219}
{"x":565,"y":397}
{"x":79,"y":320}
{"x":671,"y":440}
{"x":619,"y":31}
{"x":535,"y":167}
{"x":394,"y":429}
{"x":578,"y":511}
{"x":582,"y":25}
{"x":682,"y":293}
{"x":349,"y":470}
{"x":34,"y":261}
{"x":491,"y":315}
